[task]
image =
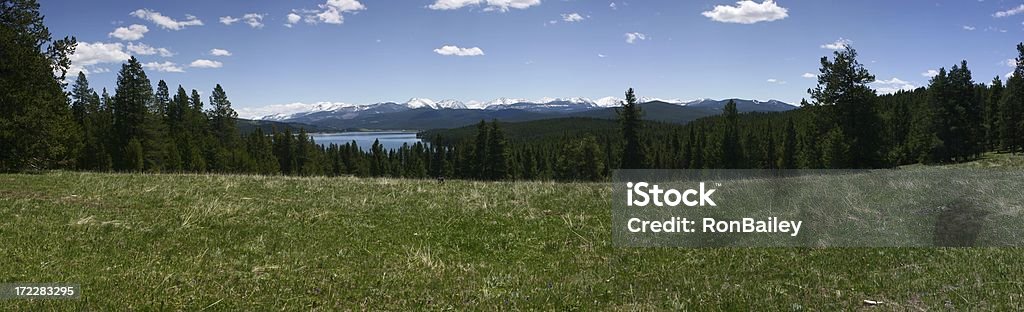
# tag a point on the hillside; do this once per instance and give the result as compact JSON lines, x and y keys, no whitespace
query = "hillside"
{"x":658,"y":111}
{"x":597,"y":122}
{"x":224,"y":242}
{"x":246,"y":126}
{"x":528,"y":130}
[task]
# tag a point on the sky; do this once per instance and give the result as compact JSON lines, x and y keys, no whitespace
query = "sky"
{"x":281,"y":56}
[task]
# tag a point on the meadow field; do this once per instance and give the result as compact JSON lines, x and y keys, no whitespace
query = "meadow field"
{"x":236,"y":242}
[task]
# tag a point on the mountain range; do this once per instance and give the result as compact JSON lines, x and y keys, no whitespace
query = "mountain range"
{"x":423,"y":114}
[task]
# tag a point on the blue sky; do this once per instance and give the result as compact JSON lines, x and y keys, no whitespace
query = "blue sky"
{"x":368,"y":51}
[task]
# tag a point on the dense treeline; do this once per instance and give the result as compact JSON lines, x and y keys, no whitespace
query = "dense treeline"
{"x":845,"y":125}
{"x":139,"y":128}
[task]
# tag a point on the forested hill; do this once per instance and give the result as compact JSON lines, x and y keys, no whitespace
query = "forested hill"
{"x":529,"y":130}
{"x":246,"y":126}
{"x":547,"y":129}
{"x":659,"y":111}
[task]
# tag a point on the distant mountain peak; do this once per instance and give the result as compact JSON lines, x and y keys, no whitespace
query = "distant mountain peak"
{"x":608,"y":101}
{"x":654,"y":99}
{"x":420,"y":103}
{"x":544,"y":105}
{"x":504,"y":101}
{"x":452,"y":104}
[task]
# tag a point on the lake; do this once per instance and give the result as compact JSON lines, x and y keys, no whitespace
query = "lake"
{"x":390,"y":139}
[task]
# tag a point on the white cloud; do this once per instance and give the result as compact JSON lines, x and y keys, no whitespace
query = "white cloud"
{"x":254,"y":20}
{"x":613,"y":6}
{"x":167,"y":67}
{"x":968,"y":27}
{"x":166,"y":22}
{"x":892,"y":86}
{"x":572,"y":17}
{"x":220,"y":52}
{"x":450,"y":50}
{"x":332,"y":11}
{"x":747,"y":12}
{"x":293,"y":18}
{"x":837,"y":45}
{"x":92,"y":53}
{"x":144,"y":49}
{"x":776,"y":81}
{"x":1010,"y":12}
{"x":492,"y":5}
{"x":601,"y":55}
{"x":133,"y":32}
{"x":809,"y":75}
{"x":1011,"y":62}
{"x":930,"y":73}
{"x":228,"y":20}
{"x":634,"y":36}
{"x":206,"y":64}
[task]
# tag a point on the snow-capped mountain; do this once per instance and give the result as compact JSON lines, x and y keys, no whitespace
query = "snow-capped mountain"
{"x":744,"y":105}
{"x":343,"y":111}
{"x":504,"y":101}
{"x":324,"y":110}
{"x":645,"y":99}
{"x":452,"y":104}
{"x":415,"y":103}
{"x":544,"y":105}
{"x":609,"y":101}
{"x":288,"y":111}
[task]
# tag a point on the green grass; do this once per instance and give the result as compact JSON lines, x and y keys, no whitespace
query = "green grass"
{"x":194,"y":242}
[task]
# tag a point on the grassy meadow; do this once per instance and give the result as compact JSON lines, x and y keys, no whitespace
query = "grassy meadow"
{"x":223,"y":242}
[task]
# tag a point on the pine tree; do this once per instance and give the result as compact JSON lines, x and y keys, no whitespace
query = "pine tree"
{"x":284,"y":151}
{"x":788,"y":159}
{"x":497,"y":155}
{"x":80,"y":96}
{"x":223,"y":118}
{"x":843,"y":85}
{"x":134,"y":157}
{"x":966,"y":116}
{"x":630,"y":119}
{"x":581,"y":160}
{"x":261,"y":151}
{"x":33,"y":67}
{"x":688,"y":149}
{"x":730,"y":151}
{"x":378,"y":162}
{"x":103,"y":118}
{"x":131,"y":97}
{"x":808,"y":150}
{"x":156,"y":143}
{"x":835,"y":149}
{"x":85,"y":108}
{"x":197,"y":129}
{"x":480,"y":163}
{"x":992,"y":114}
{"x":1012,"y":107}
{"x":770,"y":159}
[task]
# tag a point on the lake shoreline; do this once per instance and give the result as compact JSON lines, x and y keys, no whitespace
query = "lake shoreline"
{"x":391,"y":139}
